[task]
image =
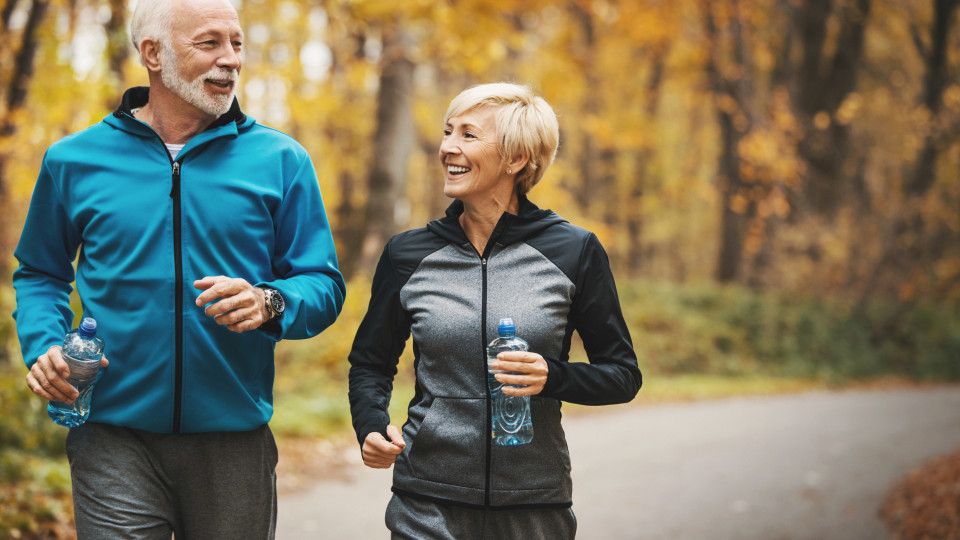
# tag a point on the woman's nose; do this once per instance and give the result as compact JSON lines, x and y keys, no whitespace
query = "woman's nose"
{"x":448,"y":146}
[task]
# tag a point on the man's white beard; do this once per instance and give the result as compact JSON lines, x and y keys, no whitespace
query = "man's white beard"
{"x":193,"y":92}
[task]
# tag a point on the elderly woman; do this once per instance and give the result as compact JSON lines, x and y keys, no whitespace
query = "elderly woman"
{"x":494,"y":255}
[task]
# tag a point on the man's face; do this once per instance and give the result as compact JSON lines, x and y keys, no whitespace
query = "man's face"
{"x":204,"y":59}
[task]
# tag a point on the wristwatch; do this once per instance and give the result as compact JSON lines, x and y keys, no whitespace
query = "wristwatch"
{"x":275,"y":304}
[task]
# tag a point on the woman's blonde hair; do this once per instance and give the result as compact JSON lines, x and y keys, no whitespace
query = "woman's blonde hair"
{"x":526,"y":126}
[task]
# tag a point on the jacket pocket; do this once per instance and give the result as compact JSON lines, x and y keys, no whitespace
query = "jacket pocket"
{"x":541,"y":464}
{"x":448,"y":448}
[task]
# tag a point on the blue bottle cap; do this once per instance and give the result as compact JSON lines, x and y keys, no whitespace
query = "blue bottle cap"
{"x":506,"y":327}
{"x":88,"y":327}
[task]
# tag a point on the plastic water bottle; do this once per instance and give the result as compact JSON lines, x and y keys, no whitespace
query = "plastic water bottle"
{"x":511,"y":421}
{"x":82,"y":350}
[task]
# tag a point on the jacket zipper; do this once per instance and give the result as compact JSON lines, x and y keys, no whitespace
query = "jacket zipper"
{"x":178,"y":297}
{"x":483,"y":345}
{"x":178,"y":281}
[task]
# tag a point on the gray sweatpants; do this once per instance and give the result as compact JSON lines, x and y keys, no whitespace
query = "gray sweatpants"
{"x":142,"y":486}
{"x":409,"y":518}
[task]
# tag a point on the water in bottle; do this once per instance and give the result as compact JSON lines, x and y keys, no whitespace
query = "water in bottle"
{"x":511,"y":421}
{"x":81,"y":350}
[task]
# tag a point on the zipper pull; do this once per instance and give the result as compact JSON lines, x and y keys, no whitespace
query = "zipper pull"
{"x":175,"y":181}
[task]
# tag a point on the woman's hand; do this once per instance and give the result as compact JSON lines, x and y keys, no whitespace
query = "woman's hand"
{"x":379,"y":453}
{"x":523,"y":369}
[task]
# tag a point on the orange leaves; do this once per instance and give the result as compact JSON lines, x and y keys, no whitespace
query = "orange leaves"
{"x":924,"y":504}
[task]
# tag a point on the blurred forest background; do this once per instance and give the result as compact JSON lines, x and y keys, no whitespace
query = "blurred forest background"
{"x":777,"y":182}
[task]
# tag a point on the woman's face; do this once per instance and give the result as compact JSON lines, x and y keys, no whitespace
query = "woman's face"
{"x":471,"y":159}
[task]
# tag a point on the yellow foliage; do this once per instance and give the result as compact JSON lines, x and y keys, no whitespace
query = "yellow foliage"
{"x":628,"y":81}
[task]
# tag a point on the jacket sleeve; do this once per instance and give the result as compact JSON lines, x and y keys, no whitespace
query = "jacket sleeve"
{"x":612,"y":374}
{"x":304,"y":260}
{"x":47,"y":248}
{"x":376,"y":352}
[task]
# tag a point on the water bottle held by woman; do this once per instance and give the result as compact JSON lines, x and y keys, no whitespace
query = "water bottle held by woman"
{"x":511,"y":422}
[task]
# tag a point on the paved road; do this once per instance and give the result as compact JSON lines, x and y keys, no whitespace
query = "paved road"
{"x":796,"y":467}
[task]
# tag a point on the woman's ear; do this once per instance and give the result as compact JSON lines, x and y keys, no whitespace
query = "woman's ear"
{"x":516,"y":165}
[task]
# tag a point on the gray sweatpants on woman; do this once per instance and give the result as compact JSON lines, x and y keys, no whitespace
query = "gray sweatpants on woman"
{"x":409,"y":518}
{"x":143,"y":486}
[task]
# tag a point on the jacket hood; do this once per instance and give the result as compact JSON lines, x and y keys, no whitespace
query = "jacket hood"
{"x":138,"y":96}
{"x":510,"y":229}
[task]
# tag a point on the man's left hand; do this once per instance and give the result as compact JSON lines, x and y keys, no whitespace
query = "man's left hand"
{"x":235,"y":303}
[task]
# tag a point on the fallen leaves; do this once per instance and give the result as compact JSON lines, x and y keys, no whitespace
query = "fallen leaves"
{"x":926,"y":504}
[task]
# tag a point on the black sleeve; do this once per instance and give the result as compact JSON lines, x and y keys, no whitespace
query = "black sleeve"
{"x":612,"y":376}
{"x":376,"y":351}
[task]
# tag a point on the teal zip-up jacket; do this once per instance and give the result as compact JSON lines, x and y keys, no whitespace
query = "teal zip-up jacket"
{"x":240,"y":200}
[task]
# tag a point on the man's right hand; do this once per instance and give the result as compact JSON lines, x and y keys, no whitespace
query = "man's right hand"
{"x":48,"y":377}
{"x":379,"y":453}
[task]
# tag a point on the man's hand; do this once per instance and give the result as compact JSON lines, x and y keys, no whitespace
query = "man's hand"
{"x":525,"y":371}
{"x":379,"y":453}
{"x":236,"y":304}
{"x":48,"y":377}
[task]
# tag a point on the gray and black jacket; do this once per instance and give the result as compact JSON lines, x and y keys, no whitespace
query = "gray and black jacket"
{"x":552,"y":278}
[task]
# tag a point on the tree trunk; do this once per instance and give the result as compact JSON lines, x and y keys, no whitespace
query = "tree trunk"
{"x":393,"y":143}
{"x":635,"y":219}
{"x":23,"y":65}
{"x":348,"y":225}
{"x":934,"y":82}
{"x":588,"y":163}
{"x":733,"y":96}
{"x":118,"y":49}
{"x":17,"y":88}
{"x":5,"y":15}
{"x":819,"y":89}
{"x":905,"y":245}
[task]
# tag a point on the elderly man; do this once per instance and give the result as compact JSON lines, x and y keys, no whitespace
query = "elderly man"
{"x":202,"y":242}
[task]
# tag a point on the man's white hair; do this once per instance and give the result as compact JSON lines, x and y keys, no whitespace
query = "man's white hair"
{"x":152,"y":19}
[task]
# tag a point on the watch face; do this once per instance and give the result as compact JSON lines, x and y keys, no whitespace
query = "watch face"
{"x":277,"y":302}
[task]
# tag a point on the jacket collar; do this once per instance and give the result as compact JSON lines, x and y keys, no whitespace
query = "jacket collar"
{"x":511,"y":228}
{"x":138,"y":96}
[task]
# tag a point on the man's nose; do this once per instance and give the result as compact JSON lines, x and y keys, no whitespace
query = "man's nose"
{"x":230,"y":58}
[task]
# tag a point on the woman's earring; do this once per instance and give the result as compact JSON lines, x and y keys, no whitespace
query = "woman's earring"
{"x":509,"y":171}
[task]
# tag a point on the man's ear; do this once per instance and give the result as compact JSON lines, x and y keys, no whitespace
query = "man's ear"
{"x":150,"y":53}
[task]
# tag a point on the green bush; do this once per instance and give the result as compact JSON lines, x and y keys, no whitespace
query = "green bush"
{"x":736,"y":331}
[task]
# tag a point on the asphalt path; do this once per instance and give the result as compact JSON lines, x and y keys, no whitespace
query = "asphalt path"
{"x":793,"y":467}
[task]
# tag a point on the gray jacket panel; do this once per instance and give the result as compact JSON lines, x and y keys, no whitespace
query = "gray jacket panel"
{"x":553,"y":279}
{"x":448,"y":429}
